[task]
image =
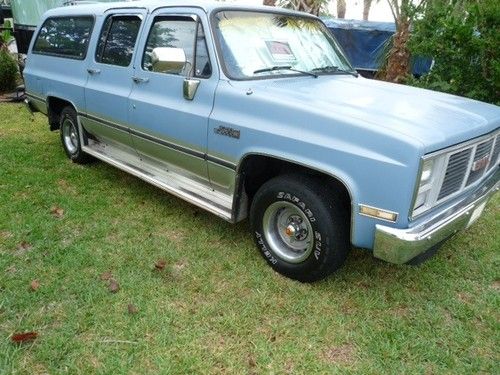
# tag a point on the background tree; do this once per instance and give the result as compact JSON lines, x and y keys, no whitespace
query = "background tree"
{"x":309,"y":6}
{"x":8,"y":71}
{"x":314,"y":7}
{"x":8,"y":66}
{"x":270,"y":3}
{"x":398,"y":59}
{"x":463,"y":38}
{"x":341,"y":8}
{"x":366,"y":9}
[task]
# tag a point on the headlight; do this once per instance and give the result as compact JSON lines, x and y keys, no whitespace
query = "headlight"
{"x":426,"y":171}
{"x":431,"y":174}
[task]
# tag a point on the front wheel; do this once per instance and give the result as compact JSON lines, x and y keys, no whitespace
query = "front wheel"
{"x":301,"y":227}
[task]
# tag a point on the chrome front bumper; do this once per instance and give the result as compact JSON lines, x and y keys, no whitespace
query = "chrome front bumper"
{"x":401,"y":245}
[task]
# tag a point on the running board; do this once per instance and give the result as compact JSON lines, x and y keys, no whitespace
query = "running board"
{"x":199,"y":196}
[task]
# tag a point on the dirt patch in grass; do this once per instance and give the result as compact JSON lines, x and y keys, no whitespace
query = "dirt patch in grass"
{"x":4,"y":234}
{"x":496,"y":285}
{"x":343,"y":354}
{"x":65,"y":187}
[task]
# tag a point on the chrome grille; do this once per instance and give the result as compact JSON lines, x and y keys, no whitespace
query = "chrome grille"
{"x":468,"y":165}
{"x":482,"y":150}
{"x":455,"y":173}
{"x":454,"y":170}
{"x":496,"y":152}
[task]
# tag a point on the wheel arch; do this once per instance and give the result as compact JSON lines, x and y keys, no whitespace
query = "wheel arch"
{"x":55,"y":105}
{"x":255,"y":168}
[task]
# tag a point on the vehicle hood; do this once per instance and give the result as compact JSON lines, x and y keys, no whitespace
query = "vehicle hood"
{"x":435,"y":119}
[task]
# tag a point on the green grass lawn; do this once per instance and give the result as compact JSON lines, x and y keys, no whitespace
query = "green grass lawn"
{"x":216,"y":307}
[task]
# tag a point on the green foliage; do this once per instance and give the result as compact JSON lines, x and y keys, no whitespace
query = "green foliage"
{"x":5,"y":36}
{"x":463,"y":38}
{"x":8,"y":71}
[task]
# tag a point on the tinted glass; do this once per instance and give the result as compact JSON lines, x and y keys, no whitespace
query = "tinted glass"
{"x":173,"y":32}
{"x":117,"y":41}
{"x":202,"y":64}
{"x":64,"y":37}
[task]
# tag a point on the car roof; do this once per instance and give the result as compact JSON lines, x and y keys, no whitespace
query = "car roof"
{"x":98,"y":8}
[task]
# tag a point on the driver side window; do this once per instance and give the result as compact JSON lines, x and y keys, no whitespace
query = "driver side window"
{"x":183,"y":33}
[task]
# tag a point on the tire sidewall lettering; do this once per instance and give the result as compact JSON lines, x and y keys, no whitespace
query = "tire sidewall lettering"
{"x":268,"y":254}
{"x":318,"y":238}
{"x":298,"y":202}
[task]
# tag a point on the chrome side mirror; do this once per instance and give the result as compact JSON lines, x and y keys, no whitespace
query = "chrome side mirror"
{"x":189,"y":88}
{"x":168,"y":60}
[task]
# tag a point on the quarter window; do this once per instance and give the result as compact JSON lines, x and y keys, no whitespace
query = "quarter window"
{"x":64,"y":37}
{"x":202,"y":68}
{"x":184,"y":33}
{"x":117,"y":41}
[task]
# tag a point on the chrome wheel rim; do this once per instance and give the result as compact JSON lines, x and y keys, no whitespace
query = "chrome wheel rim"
{"x":70,"y":135}
{"x":288,"y":232}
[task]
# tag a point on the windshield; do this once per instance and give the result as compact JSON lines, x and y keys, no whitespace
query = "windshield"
{"x":257,"y":45}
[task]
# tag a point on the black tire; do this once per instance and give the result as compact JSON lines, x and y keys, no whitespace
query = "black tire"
{"x":70,"y":137}
{"x":305,"y":205}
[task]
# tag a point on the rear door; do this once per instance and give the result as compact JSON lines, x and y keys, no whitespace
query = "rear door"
{"x":110,"y":74}
{"x":168,"y":130}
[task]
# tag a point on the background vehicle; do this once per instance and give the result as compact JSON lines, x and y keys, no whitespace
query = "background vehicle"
{"x":27,"y":15}
{"x":366,"y":42}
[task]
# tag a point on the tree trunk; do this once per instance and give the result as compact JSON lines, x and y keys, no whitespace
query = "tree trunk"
{"x":309,"y":6}
{"x":341,"y":8}
{"x":366,"y":9}
{"x":398,"y":62}
{"x":270,"y":3}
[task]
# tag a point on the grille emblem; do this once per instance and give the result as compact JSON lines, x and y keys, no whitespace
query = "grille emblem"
{"x":480,"y":164}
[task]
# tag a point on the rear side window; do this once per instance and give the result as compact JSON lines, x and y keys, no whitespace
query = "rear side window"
{"x":117,"y":40}
{"x":65,"y":37}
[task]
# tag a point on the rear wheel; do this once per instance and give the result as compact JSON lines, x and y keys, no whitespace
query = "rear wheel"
{"x":301,"y":227}
{"x":70,"y":137}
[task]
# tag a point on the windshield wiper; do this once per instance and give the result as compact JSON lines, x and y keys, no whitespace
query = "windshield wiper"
{"x":284,"y":67}
{"x":335,"y":69}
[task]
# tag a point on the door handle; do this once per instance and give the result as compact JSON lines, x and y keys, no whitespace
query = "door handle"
{"x":140,"y":80}
{"x":93,"y":71}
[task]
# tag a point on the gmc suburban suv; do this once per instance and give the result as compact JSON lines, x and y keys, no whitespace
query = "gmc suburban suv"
{"x":255,"y":111}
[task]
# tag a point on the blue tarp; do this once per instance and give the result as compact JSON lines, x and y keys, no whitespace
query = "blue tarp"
{"x":364,"y":43}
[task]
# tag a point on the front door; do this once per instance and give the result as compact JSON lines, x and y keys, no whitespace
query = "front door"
{"x":110,"y":78}
{"x":169,"y":130}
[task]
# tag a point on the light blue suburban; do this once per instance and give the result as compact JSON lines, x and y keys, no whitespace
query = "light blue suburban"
{"x":255,"y":111}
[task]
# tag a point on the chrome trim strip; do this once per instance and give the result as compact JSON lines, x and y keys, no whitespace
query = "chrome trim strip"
{"x":224,"y":163}
{"x":170,"y":145}
{"x":416,"y":189}
{"x":173,"y":146}
{"x":492,"y":151}
{"x":179,"y":191}
{"x":398,"y":246}
{"x":36,"y":97}
{"x":378,"y":209}
{"x":110,"y":124}
{"x":463,"y":145}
